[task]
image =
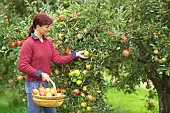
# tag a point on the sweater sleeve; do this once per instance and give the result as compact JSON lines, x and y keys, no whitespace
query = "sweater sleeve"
{"x":60,"y":60}
{"x":24,"y":60}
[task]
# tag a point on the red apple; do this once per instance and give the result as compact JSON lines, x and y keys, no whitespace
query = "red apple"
{"x":78,"y":14}
{"x":58,"y":90}
{"x":19,"y":78}
{"x":109,"y":33}
{"x":107,"y":21}
{"x":41,"y":89}
{"x":35,"y":91}
{"x":125,"y":53}
{"x":124,"y":37}
{"x":59,"y":42}
{"x":63,"y":51}
{"x":19,"y":43}
{"x":130,"y":50}
{"x":89,"y":97}
{"x":130,"y":25}
{"x":152,"y":31}
{"x":94,"y":99}
{"x":13,"y":44}
{"x":20,"y":95}
{"x":77,"y":91}
{"x":11,"y":81}
{"x":165,"y":10}
{"x":156,"y":59}
{"x":68,"y":51}
{"x":62,"y":90}
{"x":42,"y":93}
{"x":60,"y":17}
{"x":155,"y":36}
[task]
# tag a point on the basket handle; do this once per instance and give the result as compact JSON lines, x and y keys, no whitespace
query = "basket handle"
{"x":54,"y":86}
{"x":55,"y":91}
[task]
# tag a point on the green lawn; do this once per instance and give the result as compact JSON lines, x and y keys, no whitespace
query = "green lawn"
{"x":6,"y":108}
{"x":125,"y":103}
{"x":121,"y":103}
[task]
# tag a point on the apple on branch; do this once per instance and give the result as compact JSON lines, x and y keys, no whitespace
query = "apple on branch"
{"x":77,"y":91}
{"x":125,"y":53}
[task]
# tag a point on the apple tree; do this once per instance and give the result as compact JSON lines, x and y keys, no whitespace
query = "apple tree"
{"x":133,"y":43}
{"x":139,"y":32}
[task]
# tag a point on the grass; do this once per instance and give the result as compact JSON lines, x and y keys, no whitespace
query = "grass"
{"x":121,"y":103}
{"x":10,"y":103}
{"x":130,"y":103}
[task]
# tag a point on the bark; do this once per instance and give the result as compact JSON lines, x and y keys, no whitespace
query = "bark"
{"x":162,"y":85}
{"x":164,"y":101}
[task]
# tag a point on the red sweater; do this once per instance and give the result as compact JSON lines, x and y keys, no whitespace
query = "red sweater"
{"x":36,"y":57}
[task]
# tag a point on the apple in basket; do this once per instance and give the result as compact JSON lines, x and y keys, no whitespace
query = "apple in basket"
{"x":47,"y":90}
{"x":53,"y":91}
{"x":59,"y":94}
{"x":35,"y":91}
{"x":41,"y":89}
{"x":42,"y":93}
{"x":49,"y":94}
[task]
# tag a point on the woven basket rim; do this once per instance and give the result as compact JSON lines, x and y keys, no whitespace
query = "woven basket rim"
{"x":41,"y":100}
{"x":50,"y":97}
{"x":48,"y":103}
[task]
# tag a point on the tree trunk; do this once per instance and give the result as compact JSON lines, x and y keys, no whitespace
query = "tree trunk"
{"x":162,"y":85}
{"x":164,"y":101}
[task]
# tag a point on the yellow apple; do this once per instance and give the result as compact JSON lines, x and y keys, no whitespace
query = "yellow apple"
{"x":86,"y":54}
{"x":155,"y":51}
{"x":164,"y":59}
{"x":88,"y":66}
{"x":47,"y":90}
{"x":49,"y":94}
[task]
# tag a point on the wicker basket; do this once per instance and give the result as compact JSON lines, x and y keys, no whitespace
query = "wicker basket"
{"x":52,"y":101}
{"x":60,"y":97}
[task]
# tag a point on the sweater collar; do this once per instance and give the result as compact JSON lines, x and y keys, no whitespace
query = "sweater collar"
{"x":35,"y":37}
